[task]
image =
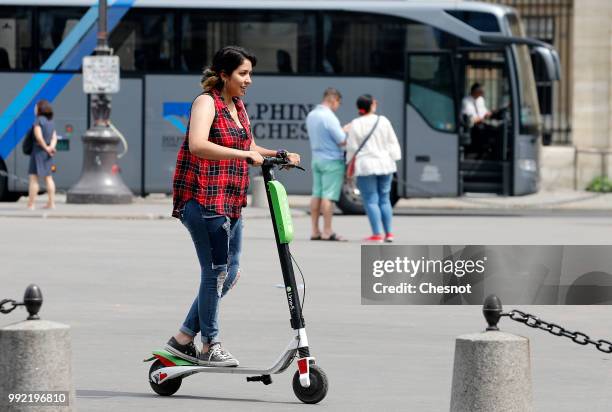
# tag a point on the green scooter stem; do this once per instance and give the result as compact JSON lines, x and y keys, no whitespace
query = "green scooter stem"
{"x":293,"y":298}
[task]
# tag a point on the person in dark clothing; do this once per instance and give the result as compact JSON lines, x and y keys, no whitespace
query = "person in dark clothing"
{"x":42,"y":160}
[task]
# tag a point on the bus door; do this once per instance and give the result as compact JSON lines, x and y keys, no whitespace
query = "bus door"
{"x":486,"y":146}
{"x":431,"y":149}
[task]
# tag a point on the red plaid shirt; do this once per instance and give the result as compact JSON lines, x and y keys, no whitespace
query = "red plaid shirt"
{"x":217,"y":185}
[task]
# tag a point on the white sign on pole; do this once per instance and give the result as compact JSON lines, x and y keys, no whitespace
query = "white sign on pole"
{"x":101,"y":74}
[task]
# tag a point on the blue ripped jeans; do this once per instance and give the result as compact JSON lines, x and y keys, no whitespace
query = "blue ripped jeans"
{"x":217,"y":241}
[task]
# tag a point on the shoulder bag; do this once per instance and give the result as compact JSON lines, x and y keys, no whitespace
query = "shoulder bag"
{"x":350,"y":166}
{"x":28,"y":142}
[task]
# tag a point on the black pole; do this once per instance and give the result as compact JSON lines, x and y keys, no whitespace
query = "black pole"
{"x":102,"y":48}
{"x":100,"y":181}
{"x":102,"y":24}
{"x":101,"y":102}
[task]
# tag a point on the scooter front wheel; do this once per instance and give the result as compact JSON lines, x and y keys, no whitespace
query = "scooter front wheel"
{"x":167,"y":388}
{"x":317,"y":389}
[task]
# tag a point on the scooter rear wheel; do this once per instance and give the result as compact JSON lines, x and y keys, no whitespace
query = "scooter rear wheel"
{"x":317,"y":389}
{"x":167,"y":388}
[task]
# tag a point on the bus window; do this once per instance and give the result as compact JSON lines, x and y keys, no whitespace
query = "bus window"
{"x":123,"y":42}
{"x":363,"y":44}
{"x":282,"y":41}
{"x":430,"y":89}
{"x":193,"y":43}
{"x":15,"y":38}
{"x":488,"y":69}
{"x":530,"y":110}
{"x":145,"y":40}
{"x":477,"y":19}
{"x":54,"y":24}
{"x":422,"y":37}
{"x":274,"y":43}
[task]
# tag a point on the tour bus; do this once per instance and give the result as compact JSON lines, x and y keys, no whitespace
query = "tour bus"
{"x":417,"y":58}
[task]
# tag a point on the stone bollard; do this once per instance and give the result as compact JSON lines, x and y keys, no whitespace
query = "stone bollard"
{"x":492,"y":370}
{"x":259,"y":196}
{"x":491,"y":373}
{"x":35,"y":358}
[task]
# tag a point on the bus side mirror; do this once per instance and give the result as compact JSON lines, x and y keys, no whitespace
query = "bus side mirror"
{"x":548,"y":60}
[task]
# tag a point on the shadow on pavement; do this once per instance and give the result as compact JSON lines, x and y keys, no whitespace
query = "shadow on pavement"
{"x":92,"y":393}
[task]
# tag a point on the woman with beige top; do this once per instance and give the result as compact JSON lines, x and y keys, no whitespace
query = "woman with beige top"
{"x":374,"y":165}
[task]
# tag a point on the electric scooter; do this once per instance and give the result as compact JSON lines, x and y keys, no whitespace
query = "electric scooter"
{"x":309,"y":381}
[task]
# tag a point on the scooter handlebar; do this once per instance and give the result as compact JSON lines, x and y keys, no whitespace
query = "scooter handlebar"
{"x":275,"y":161}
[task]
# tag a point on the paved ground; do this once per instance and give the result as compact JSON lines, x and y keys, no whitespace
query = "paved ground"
{"x":124,"y":286}
{"x":157,"y":206}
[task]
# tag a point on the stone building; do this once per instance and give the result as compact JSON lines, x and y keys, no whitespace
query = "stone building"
{"x":577,"y":111}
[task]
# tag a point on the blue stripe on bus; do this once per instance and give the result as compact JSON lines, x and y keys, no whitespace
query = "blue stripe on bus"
{"x":176,"y":108}
{"x":173,"y":111}
{"x":123,"y":3}
{"x":75,"y":58}
{"x":19,"y":116}
{"x":52,"y":62}
{"x":17,"y":106}
{"x":176,"y":123}
{"x":19,"y":128}
{"x":75,"y":35}
{"x":23,"y":98}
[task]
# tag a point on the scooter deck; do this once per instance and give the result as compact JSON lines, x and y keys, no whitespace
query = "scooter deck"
{"x":222,"y":369}
{"x":183,"y":366}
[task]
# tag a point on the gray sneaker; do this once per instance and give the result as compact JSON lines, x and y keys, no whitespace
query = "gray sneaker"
{"x":189,"y":352}
{"x":216,"y":356}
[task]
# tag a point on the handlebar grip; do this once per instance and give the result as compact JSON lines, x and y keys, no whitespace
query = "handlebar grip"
{"x":267,"y":160}
{"x":274,"y":161}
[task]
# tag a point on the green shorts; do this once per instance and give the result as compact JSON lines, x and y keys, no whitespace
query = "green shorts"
{"x":327,"y":178}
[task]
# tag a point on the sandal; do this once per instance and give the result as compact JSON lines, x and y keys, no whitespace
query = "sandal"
{"x":318,"y":237}
{"x":335,"y":238}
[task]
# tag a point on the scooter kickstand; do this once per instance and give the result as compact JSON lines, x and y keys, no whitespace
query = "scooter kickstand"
{"x":265,"y":379}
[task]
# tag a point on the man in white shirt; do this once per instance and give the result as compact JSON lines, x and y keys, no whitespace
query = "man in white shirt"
{"x":474,"y":105}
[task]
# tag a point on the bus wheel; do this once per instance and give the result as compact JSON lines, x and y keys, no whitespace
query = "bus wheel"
{"x":350,"y":199}
{"x":5,"y":195}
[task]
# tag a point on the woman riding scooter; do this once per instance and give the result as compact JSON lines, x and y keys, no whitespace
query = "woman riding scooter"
{"x":210,"y":184}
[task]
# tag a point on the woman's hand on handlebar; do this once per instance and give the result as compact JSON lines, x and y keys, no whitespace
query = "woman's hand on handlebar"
{"x":254,"y":158}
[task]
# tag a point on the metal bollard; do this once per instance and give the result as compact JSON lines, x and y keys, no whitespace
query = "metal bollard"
{"x":491,"y":369}
{"x":35,"y":361}
{"x":492,"y":311}
{"x":32,"y":300}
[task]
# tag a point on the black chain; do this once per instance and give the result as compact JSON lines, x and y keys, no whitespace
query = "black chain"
{"x":578,"y":337}
{"x":6,"y":302}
